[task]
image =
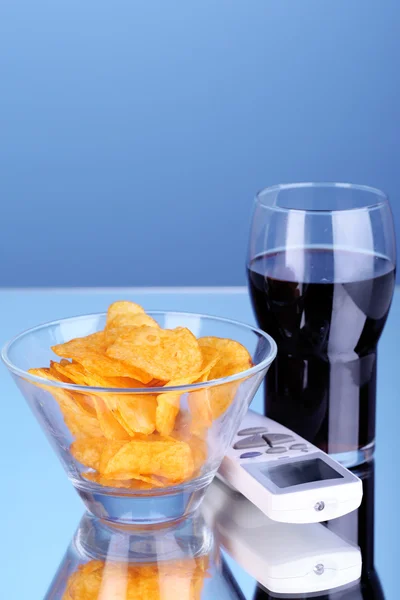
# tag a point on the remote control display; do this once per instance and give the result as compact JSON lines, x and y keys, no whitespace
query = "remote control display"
{"x":306,"y":471}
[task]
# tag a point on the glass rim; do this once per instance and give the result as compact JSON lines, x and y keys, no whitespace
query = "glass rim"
{"x":377,"y":203}
{"x":146,"y":390}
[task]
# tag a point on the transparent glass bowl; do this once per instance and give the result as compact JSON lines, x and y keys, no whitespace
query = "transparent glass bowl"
{"x":209,"y":414}
{"x":181,"y":562}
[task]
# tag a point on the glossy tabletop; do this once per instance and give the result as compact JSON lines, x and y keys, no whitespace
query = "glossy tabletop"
{"x":39,"y":510}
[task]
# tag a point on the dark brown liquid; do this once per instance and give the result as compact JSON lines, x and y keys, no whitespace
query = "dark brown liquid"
{"x":326,"y":310}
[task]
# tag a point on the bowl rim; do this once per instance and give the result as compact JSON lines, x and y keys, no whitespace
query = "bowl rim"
{"x":147,"y":390}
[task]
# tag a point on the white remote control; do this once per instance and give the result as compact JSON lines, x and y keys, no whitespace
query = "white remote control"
{"x":285,"y":558}
{"x":286,"y":477}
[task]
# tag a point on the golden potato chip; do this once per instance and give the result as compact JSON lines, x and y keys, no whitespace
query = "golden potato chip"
{"x":138,"y":412}
{"x":210,"y":356}
{"x":89,"y":352}
{"x":78,"y":421}
{"x":120,"y":325}
{"x":152,"y":480}
{"x":165,"y":354}
{"x":170,"y":459}
{"x":199,"y":402}
{"x":103,"y":365}
{"x":88,"y":451}
{"x":109,"y":451}
{"x":133,"y":484}
{"x":57,"y":370}
{"x":81,"y":425}
{"x":221,"y":397}
{"x":167,"y":410}
{"x":79,"y":375}
{"x":168,"y":403}
{"x":75,"y":374}
{"x":125,"y":382}
{"x":109,"y":424}
{"x":234,"y":358}
{"x":95,"y":342}
{"x":123,"y":307}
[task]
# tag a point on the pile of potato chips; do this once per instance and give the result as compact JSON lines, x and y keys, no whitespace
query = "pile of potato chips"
{"x":96,"y":580}
{"x":142,"y":440}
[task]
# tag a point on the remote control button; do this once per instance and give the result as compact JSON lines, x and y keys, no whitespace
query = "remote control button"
{"x":252,"y":430}
{"x":254,"y":441}
{"x":299,"y":446}
{"x":274,"y":439}
{"x":304,"y":450}
{"x":276,"y":450}
{"x":250,"y":454}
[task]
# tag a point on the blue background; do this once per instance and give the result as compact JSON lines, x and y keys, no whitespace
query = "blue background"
{"x":134,"y":134}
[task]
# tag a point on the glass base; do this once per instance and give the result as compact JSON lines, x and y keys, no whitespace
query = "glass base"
{"x":355,"y":458}
{"x":166,"y":506}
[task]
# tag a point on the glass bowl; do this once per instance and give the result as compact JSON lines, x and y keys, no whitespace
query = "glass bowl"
{"x":83,"y":423}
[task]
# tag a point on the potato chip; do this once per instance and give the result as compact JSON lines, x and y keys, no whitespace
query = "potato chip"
{"x":79,"y":375}
{"x":72,"y":371}
{"x":210,"y":356}
{"x":109,"y":451}
{"x":199,"y":402}
{"x":120,"y":325}
{"x":234,"y":358}
{"x":170,"y":459}
{"x":81,"y":425}
{"x":109,"y":424}
{"x":89,"y":352}
{"x":164,"y":354}
{"x":88,"y":451}
{"x":57,"y":370}
{"x":123,"y":307}
{"x":125,"y":382}
{"x":138,"y":412}
{"x":152,"y":480}
{"x":221,"y":397}
{"x":78,"y":421}
{"x":131,"y":484}
{"x":95,"y":342}
{"x":168,"y":403}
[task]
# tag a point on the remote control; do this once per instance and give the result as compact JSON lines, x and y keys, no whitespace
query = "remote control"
{"x":286,"y":477}
{"x":285,"y":558}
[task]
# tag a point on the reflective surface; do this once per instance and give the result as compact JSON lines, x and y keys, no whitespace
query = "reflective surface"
{"x":40,"y":511}
{"x":121,"y":563}
{"x":333,"y":560}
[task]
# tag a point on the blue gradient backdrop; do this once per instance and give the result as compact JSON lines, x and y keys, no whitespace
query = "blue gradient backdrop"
{"x":133,"y":134}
